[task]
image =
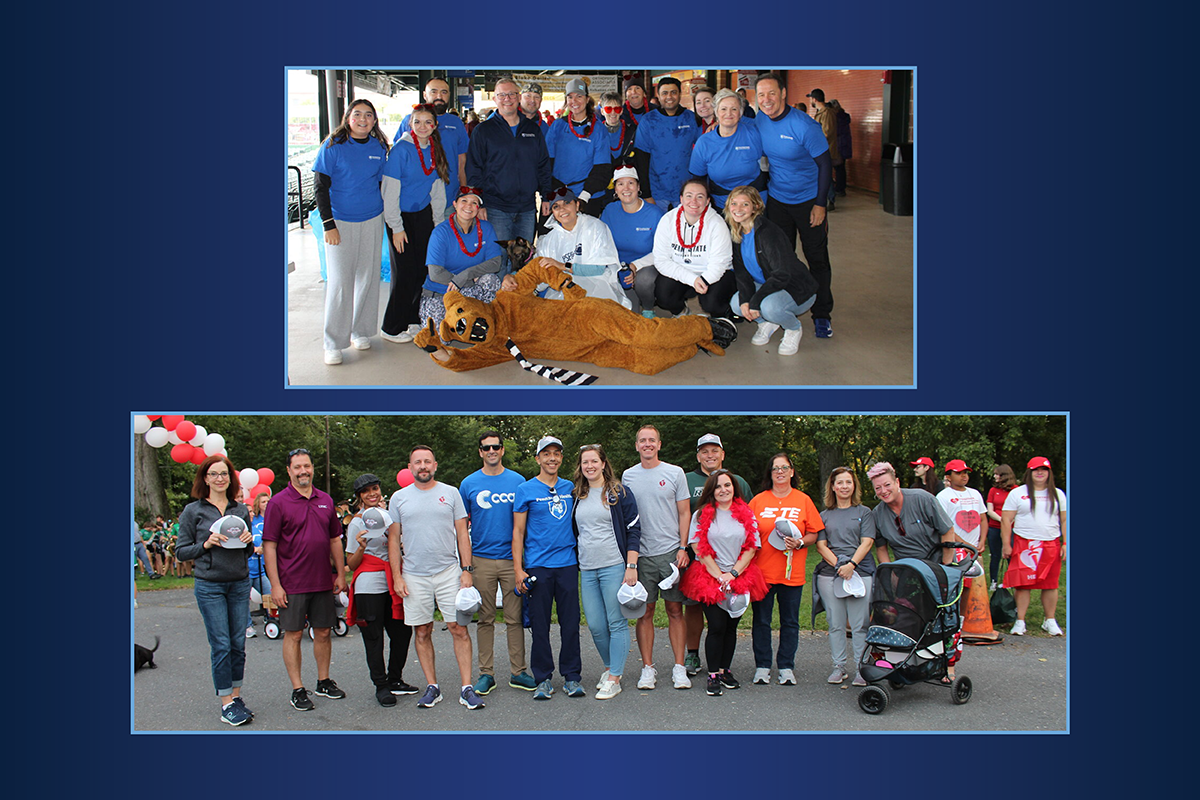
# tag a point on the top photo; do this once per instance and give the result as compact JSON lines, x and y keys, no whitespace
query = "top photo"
{"x":600,"y":227}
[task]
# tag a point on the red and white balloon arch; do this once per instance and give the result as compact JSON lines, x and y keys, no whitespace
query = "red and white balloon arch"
{"x":191,"y":442}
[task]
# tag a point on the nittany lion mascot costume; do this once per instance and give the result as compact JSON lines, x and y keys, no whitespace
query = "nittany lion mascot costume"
{"x":520,"y":325}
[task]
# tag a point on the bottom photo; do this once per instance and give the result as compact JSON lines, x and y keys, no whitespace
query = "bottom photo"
{"x":694,"y":573}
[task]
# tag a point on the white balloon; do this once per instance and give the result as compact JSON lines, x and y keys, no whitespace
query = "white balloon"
{"x":173,"y":438}
{"x":198,"y":439}
{"x":214,"y":443}
{"x":248,"y":478}
{"x":156,"y":437}
{"x":141,"y":424}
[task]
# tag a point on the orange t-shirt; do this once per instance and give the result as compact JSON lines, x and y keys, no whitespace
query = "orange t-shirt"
{"x":796,"y":507}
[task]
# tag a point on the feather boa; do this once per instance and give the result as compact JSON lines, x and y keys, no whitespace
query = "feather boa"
{"x":699,"y":584}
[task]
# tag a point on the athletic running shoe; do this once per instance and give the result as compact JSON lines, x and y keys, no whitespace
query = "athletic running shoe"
{"x":858,"y":680}
{"x":1050,"y":626}
{"x":728,"y":681}
{"x":361,"y":343}
{"x":1018,"y":628}
{"x":837,"y":676}
{"x":680,"y":677}
{"x":333,"y":357}
{"x":327,"y":688}
{"x":300,"y":700}
{"x":242,"y":703}
{"x":648,"y":679}
{"x":400,"y":687}
{"x":762,"y":675}
{"x":790,"y":343}
{"x":787,"y":677}
{"x":574,"y":689}
{"x":692,"y":663}
{"x":432,"y":696}
{"x":713,"y":687}
{"x":233,"y":714}
{"x":544,"y":690}
{"x":484,"y":685}
{"x":764,"y":332}
{"x":469,"y":698}
{"x":824,"y":328}
{"x":250,"y":633}
{"x":522,"y":681}
{"x":604,"y":676}
{"x":608,"y":690}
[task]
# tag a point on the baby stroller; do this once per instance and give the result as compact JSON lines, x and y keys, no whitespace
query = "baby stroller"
{"x":914,"y":622}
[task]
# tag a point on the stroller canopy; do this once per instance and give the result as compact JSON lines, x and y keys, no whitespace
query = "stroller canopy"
{"x":908,"y":593}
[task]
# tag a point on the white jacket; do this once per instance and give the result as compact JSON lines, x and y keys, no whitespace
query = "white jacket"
{"x":590,"y":243}
{"x":709,"y":259}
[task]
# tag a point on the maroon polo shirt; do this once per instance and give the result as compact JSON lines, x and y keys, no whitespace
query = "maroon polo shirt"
{"x":302,"y":527}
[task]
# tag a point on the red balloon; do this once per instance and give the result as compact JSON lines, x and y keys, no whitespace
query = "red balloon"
{"x":170,"y":422}
{"x":257,"y":490}
{"x":265,"y":476}
{"x":186,"y":430}
{"x":182,"y":453}
{"x":153,"y":417}
{"x":404,"y":477}
{"x":198,"y":455}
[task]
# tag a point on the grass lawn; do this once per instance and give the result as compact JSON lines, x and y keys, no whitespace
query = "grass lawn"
{"x":1033,"y":618}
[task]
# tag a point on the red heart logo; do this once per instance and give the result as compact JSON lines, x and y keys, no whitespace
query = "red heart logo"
{"x":967,"y":519}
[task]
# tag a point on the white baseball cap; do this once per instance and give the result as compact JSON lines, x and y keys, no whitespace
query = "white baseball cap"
{"x":632,"y":600}
{"x":545,"y":442}
{"x":466,"y":603}
{"x":783,"y":527}
{"x":670,"y":580}
{"x":735,"y":604}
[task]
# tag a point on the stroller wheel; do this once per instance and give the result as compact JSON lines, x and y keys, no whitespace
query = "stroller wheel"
{"x":272,"y":630}
{"x":897,"y":685}
{"x":960,"y":691}
{"x":340,"y":629}
{"x":873,"y":699}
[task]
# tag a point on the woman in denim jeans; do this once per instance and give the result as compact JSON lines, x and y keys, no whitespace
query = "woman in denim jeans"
{"x":215,"y":532}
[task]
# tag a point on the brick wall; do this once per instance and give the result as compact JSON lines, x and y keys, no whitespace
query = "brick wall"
{"x":861,"y":94}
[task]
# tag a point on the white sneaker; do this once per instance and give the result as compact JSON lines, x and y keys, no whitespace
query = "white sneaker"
{"x":648,"y":679}
{"x":333,"y":357}
{"x":787,"y":677}
{"x":1018,"y":628}
{"x":993,"y":587}
{"x":680,"y":677}
{"x":608,"y":690}
{"x":764,"y":332}
{"x":604,"y":676}
{"x":404,"y":336}
{"x":1050,"y":626}
{"x":361,"y":343}
{"x":762,"y":675}
{"x":791,"y":342}
{"x":250,"y":634}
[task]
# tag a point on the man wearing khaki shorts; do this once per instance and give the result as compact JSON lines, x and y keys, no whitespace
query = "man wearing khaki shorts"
{"x":433,"y":522}
{"x":662,"y":498}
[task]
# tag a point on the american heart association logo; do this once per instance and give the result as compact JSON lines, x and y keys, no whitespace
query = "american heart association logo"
{"x":1032,"y":556}
{"x":558,"y":509}
{"x":662,"y":482}
{"x":967,"y":519}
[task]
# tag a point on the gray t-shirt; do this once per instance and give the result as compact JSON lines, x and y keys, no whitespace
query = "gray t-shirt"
{"x":924,"y":521}
{"x":657,"y":491}
{"x":597,"y":541}
{"x":845,"y":528}
{"x":426,"y":520}
{"x":375,"y":521}
{"x":726,"y":536}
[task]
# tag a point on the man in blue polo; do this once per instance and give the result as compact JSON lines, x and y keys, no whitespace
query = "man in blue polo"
{"x":508,"y":162}
{"x":489,"y":494}
{"x":801,"y":173}
{"x":544,"y":548}
{"x":451,"y":129}
{"x":664,"y":143}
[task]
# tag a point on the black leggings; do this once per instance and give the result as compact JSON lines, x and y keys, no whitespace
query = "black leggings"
{"x":408,"y":272}
{"x":721,"y":639}
{"x":673,"y":295}
{"x":376,"y":610}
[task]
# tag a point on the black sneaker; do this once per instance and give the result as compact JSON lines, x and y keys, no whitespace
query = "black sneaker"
{"x":384,"y":695}
{"x":327,"y":688}
{"x":728,"y":681}
{"x":300,"y":700}
{"x":400,"y":687}
{"x":714,"y":686}
{"x":724,"y":332}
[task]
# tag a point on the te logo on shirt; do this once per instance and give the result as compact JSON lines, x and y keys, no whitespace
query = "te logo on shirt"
{"x":487,"y":497}
{"x":786,"y":513}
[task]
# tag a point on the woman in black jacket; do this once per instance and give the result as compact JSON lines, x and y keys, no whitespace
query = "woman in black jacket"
{"x":215,"y":532}
{"x":774,"y":287}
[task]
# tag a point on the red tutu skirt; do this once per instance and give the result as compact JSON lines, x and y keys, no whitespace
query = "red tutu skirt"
{"x":699,"y":585}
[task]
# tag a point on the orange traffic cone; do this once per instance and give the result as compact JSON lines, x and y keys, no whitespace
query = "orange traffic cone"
{"x":977,"y":627}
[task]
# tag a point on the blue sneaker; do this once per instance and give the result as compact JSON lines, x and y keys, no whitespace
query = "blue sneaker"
{"x":233,"y":714}
{"x":574,"y":689}
{"x":522,"y":681}
{"x":470,"y":699}
{"x":242,"y":703}
{"x":432,"y":696}
{"x":823,"y":327}
{"x":544,"y":690}
{"x":485,"y":685}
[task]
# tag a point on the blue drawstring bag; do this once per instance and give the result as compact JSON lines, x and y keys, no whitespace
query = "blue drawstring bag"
{"x":318,"y":229}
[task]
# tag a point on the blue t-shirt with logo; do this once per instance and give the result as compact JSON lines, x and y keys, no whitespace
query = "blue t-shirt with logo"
{"x":489,"y":500}
{"x":728,"y":161}
{"x":790,"y":144}
{"x":453,"y":133}
{"x":632,"y":233}
{"x":750,"y":259}
{"x":354,"y":171}
{"x":549,"y":535}
{"x":576,"y":149}
{"x":255,"y":562}
{"x":404,"y":164}
{"x":445,"y":251}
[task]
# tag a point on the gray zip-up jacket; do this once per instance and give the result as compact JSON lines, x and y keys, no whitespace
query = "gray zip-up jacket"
{"x":217,"y":563}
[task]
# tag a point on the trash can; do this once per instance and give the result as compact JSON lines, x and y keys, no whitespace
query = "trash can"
{"x":896,"y":179}
{"x":318,"y":228}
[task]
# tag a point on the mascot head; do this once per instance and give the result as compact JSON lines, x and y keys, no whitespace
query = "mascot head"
{"x":467,"y":320}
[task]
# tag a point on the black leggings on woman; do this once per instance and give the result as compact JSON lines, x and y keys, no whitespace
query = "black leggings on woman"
{"x":376,"y":610}
{"x":721,"y":639}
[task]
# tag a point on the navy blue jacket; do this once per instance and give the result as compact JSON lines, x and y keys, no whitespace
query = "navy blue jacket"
{"x":625,"y":519}
{"x":508,"y":169}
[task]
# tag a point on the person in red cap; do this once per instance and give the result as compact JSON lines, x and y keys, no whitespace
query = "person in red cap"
{"x":1031,"y":528}
{"x":923,"y":475}
{"x":966,"y":509}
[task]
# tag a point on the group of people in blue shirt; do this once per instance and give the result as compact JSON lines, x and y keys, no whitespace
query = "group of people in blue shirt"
{"x":448,"y":203}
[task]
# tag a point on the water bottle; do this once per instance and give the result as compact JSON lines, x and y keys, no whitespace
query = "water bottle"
{"x":527,"y":587}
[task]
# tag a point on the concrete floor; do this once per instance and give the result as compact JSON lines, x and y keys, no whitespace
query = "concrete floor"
{"x":872,"y":257}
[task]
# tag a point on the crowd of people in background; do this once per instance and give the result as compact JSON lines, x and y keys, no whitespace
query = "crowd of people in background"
{"x":605,"y":543}
{"x":626,"y":196}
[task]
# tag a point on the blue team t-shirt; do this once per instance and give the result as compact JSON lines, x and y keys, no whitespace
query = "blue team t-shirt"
{"x":575,"y":153}
{"x":445,"y":251}
{"x":750,"y":259}
{"x":549,"y":535}
{"x":790,"y":144}
{"x":728,"y":161}
{"x":453,"y":133}
{"x":669,"y":142}
{"x":632,"y":233}
{"x":489,"y":500}
{"x":354,"y":171}
{"x":404,"y":164}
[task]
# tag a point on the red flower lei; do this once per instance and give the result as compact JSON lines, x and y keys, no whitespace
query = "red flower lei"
{"x":413,"y":134}
{"x":621,"y":139}
{"x":463,"y":245}
{"x":679,"y":229}
{"x":571,"y":126}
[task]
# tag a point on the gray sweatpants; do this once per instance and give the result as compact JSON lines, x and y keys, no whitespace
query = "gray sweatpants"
{"x":352,"y":287}
{"x":837,"y":611}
